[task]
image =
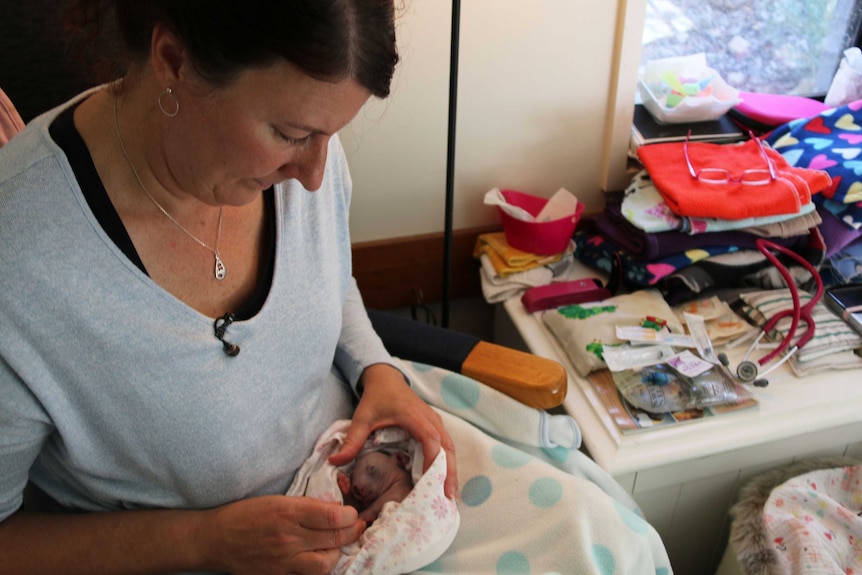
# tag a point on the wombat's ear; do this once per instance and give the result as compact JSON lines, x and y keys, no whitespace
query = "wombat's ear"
{"x":402,"y":458}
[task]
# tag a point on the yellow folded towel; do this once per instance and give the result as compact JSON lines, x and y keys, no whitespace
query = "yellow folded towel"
{"x":506,"y":259}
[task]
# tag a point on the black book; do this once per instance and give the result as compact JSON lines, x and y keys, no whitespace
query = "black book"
{"x":645,"y":130}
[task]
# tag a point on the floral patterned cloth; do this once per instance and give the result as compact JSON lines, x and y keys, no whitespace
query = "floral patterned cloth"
{"x":814,"y":523}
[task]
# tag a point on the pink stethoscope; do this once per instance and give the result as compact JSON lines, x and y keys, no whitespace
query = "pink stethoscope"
{"x":748,"y":370}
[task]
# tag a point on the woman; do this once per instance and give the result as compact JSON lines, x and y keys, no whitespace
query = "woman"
{"x":178,"y":321}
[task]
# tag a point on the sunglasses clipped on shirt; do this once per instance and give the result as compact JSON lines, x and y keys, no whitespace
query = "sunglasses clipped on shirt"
{"x":718,"y":176}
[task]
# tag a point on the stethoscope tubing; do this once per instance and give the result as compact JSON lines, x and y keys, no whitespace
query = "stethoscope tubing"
{"x":749,"y":370}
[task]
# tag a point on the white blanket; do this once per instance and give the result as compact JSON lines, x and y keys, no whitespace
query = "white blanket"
{"x":531,"y":502}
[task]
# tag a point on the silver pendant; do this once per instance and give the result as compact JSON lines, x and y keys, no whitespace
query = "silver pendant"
{"x":220,"y":270}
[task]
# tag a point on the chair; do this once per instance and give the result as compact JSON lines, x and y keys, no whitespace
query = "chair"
{"x":532,"y":380}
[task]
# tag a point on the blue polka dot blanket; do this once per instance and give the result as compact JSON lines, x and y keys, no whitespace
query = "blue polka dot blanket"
{"x":531,"y":501}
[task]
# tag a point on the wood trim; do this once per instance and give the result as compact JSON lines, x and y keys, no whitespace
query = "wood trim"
{"x":535,"y":381}
{"x":399,"y":272}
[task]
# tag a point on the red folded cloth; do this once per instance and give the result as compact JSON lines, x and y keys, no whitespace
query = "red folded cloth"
{"x":688,"y":196}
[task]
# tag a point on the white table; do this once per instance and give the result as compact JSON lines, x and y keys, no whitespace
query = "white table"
{"x":685,"y":477}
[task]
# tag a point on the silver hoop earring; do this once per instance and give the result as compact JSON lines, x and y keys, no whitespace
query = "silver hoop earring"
{"x":174,"y":107}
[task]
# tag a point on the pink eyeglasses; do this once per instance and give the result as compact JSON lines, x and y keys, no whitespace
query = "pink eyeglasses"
{"x":752,"y":177}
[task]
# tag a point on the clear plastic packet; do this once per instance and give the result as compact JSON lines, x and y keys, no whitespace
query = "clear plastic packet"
{"x":662,"y":388}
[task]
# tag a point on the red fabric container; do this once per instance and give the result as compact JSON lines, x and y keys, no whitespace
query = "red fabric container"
{"x":544,"y":238}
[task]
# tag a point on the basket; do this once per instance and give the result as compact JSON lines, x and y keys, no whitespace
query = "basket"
{"x":545,"y":238}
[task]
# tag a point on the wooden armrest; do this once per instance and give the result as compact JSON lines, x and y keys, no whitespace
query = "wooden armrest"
{"x":535,"y":381}
{"x":532,"y":380}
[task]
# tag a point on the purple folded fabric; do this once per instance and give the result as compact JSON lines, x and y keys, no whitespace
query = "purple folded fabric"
{"x":645,"y":246}
{"x":836,"y":234}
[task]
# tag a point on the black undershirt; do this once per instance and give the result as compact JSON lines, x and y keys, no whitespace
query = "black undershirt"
{"x":63,"y":132}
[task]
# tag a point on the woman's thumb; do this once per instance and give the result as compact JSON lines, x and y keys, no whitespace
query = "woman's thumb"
{"x":354,"y":439}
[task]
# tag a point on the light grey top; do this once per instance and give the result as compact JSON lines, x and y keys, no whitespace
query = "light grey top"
{"x":116,"y":395}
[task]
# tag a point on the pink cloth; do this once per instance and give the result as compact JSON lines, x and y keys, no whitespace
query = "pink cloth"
{"x":687,"y":196}
{"x":777,"y":109}
{"x":10,"y":121}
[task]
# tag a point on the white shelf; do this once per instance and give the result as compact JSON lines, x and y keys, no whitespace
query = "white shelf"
{"x":790,"y":407}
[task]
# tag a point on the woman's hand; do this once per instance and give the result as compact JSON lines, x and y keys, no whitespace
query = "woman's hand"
{"x":388,"y":401}
{"x":277,"y":535}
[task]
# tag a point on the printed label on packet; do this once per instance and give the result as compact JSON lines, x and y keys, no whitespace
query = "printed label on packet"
{"x":678,"y":340}
{"x":627,"y":357}
{"x":637,"y":335}
{"x":688,"y":364}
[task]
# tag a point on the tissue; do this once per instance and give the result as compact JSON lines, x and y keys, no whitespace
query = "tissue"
{"x":846,"y":86}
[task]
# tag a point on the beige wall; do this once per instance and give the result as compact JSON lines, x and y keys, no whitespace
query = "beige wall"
{"x":537,"y":110}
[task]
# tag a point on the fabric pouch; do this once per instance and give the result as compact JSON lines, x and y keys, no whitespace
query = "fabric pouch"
{"x":584,"y":329}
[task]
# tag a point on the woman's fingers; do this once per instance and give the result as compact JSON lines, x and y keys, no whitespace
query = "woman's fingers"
{"x":386,"y":401}
{"x":278,"y":534}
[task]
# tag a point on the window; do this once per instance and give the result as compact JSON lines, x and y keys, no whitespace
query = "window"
{"x":771,"y":46}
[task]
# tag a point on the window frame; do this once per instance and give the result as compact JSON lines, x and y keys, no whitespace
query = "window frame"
{"x":627,"y":54}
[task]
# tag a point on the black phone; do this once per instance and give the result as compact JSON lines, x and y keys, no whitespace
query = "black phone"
{"x":843,"y":299}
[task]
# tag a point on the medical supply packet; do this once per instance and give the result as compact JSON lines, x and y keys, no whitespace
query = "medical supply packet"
{"x":683,"y":382}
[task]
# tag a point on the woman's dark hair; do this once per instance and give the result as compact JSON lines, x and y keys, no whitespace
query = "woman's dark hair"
{"x":329,"y":40}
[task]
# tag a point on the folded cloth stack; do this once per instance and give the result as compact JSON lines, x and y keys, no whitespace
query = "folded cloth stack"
{"x":671,"y":231}
{"x":791,"y":189}
{"x":506,"y":271}
{"x":832,"y":141}
{"x":692,"y":272}
{"x":833,"y":345}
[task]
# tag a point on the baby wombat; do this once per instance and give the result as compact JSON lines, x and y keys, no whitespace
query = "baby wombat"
{"x":375,"y":479}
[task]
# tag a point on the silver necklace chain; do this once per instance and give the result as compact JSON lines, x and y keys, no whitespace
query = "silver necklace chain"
{"x":220,"y":271}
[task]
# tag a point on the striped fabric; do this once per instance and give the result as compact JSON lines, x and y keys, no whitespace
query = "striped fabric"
{"x":831,"y":334}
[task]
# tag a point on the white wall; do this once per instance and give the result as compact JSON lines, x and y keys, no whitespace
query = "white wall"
{"x":537,"y":110}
